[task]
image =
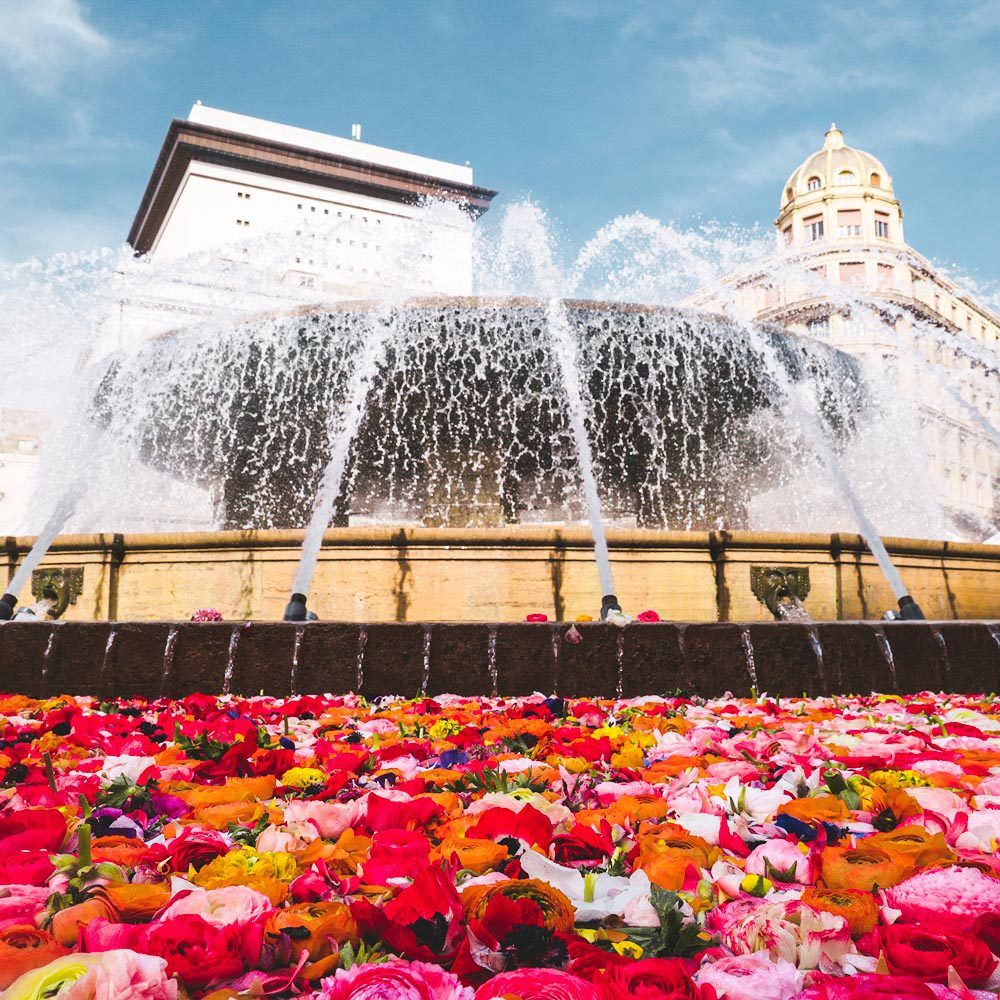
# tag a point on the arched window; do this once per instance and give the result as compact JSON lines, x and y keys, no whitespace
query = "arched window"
{"x":788,"y":194}
{"x":846,"y":177}
{"x":876,"y":181}
{"x":813,"y":184}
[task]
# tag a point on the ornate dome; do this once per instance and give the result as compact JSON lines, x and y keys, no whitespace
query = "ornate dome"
{"x":837,"y":166}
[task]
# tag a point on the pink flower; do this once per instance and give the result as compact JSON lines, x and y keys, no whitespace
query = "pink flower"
{"x":750,"y":977}
{"x":394,"y":980}
{"x":947,"y":899}
{"x":234,"y":904}
{"x":19,"y":904}
{"x":537,"y":984}
{"x":780,"y":861}
{"x":125,"y":974}
{"x":331,"y":819}
{"x":207,"y":615}
{"x":647,"y":616}
{"x":536,"y":616}
{"x":792,"y":932}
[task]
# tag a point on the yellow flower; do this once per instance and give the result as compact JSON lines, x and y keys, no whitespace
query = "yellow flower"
{"x":628,"y":948}
{"x":898,"y":779}
{"x":303,"y":778}
{"x":247,"y":863}
{"x":444,"y":728}
{"x":756,"y":885}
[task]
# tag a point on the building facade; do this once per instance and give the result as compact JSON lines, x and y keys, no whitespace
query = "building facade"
{"x":843,"y":273}
{"x":21,"y":435}
{"x":250,"y":215}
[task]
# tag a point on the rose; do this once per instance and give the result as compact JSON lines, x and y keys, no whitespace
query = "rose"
{"x":537,"y":984}
{"x":195,"y":848}
{"x":647,"y":616}
{"x":750,"y":977}
{"x":22,"y":948}
{"x":919,"y":952}
{"x":664,"y":978}
{"x":197,"y":953}
{"x":394,"y":980}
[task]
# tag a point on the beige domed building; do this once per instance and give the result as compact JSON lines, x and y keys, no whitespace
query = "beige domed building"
{"x":843,"y":273}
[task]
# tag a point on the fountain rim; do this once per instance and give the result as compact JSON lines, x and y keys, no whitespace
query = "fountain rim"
{"x":570,"y":535}
{"x":429,"y":303}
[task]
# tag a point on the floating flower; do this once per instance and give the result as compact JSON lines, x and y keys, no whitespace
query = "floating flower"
{"x":395,"y":980}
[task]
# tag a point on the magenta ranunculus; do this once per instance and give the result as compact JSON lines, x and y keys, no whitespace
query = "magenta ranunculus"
{"x":537,"y":984}
{"x":946,"y":899}
{"x":394,"y":980}
{"x":20,"y":904}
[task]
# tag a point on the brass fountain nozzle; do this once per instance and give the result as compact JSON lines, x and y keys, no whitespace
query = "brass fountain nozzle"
{"x":295,"y":610}
{"x":909,"y":610}
{"x":7,"y":604}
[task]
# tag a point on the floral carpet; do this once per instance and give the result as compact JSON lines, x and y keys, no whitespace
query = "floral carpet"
{"x":465,"y":849}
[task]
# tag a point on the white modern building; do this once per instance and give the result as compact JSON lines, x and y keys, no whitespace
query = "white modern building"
{"x":254,"y":215}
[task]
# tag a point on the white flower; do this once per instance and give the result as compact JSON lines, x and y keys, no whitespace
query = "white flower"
{"x":594,"y":896}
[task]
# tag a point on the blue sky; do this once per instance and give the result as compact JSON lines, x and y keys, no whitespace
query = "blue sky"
{"x":593,"y":108}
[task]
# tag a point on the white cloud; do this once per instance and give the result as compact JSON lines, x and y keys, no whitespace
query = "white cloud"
{"x":44,"y":42}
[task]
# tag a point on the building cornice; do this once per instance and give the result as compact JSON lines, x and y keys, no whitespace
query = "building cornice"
{"x":190,"y":141}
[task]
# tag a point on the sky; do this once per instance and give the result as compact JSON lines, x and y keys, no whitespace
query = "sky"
{"x":592,"y":108}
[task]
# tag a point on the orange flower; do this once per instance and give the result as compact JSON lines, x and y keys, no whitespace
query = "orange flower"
{"x":343,"y":858}
{"x":219,"y":816}
{"x":136,"y":903}
{"x":476,"y":855}
{"x":668,"y":869}
{"x":66,"y":924}
{"x":124,"y":851}
{"x":821,"y":809}
{"x":858,"y":908}
{"x":626,"y":811}
{"x":863,"y":867}
{"x":234,"y":790}
{"x":23,"y":948}
{"x":893,"y":805}
{"x":318,"y":930}
{"x":669,"y":837}
{"x":556,"y":908}
{"x":915,"y":844}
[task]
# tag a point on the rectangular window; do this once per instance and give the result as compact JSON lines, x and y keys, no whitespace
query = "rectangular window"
{"x":852,"y":274}
{"x":885,"y":276}
{"x":849,"y":222}
{"x":787,"y":236}
{"x":819,"y":327}
{"x":882,"y":225}
{"x":814,"y":227}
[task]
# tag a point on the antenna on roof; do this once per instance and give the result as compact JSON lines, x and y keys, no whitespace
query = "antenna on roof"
{"x":356,"y":131}
{"x":198,"y":101}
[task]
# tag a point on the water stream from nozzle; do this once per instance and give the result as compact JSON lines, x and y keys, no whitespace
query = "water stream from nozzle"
{"x":565,"y":353}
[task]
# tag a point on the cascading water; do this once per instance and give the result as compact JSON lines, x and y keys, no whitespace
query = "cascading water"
{"x":288,"y":405}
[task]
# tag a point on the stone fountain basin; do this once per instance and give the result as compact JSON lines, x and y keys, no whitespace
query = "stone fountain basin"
{"x":165,"y":659}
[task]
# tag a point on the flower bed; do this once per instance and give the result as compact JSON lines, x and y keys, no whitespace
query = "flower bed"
{"x":453,"y":849}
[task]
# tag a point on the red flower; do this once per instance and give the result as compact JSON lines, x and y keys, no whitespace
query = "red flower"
{"x":32,"y":830}
{"x":537,"y":984}
{"x":660,"y":978}
{"x":389,"y":814}
{"x":423,"y":922}
{"x":198,"y":952}
{"x":195,"y":848}
{"x":536,"y":616}
{"x":647,"y":616}
{"x":520,"y":830}
{"x":583,"y":845}
{"x":25,"y":868}
{"x":915,"y":951}
{"x":866,"y":987}
{"x":396,"y":854}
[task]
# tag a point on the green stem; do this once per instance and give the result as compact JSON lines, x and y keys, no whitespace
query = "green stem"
{"x":83,"y":845}
{"x":50,"y":772}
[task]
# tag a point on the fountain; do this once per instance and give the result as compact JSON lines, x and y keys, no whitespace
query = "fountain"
{"x":497,"y":420}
